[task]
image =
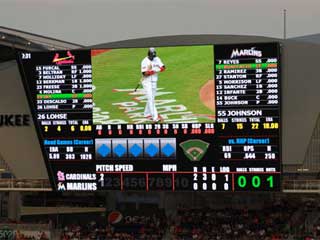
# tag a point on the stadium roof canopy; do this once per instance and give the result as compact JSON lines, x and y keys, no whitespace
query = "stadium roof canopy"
{"x":314,"y":38}
{"x":11,"y":40}
{"x":174,"y":40}
{"x":20,"y":39}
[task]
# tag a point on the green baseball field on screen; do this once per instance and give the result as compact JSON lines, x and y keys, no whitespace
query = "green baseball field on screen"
{"x":189,"y":70}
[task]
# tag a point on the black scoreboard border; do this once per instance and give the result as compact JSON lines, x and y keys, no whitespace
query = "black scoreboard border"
{"x":34,"y":117}
{"x":37,"y":127}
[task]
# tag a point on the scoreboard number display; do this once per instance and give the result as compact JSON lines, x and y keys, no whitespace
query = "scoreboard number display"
{"x":182,"y":118}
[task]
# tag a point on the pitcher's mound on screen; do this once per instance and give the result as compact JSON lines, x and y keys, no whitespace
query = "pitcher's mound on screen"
{"x":207,"y":94}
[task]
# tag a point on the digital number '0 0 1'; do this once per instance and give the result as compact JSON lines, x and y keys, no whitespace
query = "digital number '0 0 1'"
{"x":255,"y":181}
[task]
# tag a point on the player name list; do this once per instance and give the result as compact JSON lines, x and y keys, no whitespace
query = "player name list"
{"x":248,"y":101}
{"x":64,"y":108}
{"x":64,"y":87}
{"x":247,"y":88}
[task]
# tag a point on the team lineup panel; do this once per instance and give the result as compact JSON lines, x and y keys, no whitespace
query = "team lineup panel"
{"x":237,"y":151}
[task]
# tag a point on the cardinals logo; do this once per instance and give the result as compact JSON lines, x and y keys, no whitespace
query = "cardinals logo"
{"x":63,"y":60}
{"x":60,"y":176}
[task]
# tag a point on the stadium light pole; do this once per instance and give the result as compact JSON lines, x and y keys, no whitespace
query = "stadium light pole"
{"x":284,"y":23}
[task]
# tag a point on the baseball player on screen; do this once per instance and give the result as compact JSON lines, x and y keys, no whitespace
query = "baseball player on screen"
{"x":150,"y":67}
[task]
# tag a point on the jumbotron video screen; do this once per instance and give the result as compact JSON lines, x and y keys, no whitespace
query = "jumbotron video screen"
{"x":178,"y":118}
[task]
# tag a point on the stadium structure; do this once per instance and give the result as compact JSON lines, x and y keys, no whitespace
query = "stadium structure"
{"x":23,"y":173}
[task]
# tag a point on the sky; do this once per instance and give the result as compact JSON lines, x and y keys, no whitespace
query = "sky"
{"x":90,"y":22}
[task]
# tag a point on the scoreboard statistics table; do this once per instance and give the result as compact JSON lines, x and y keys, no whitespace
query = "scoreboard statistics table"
{"x":218,"y":105}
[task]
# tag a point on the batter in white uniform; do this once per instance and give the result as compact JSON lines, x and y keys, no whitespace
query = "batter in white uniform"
{"x":150,"y":67}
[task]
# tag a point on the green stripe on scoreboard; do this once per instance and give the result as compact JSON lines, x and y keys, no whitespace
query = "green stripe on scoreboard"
{"x":246,"y":66}
{"x":64,"y":96}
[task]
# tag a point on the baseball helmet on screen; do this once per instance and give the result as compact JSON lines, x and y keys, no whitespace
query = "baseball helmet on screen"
{"x":152,"y":53}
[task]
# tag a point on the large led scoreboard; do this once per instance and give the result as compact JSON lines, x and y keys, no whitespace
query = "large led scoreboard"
{"x":218,"y":127}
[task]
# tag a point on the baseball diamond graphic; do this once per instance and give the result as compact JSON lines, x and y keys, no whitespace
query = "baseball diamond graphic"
{"x":194,"y":149}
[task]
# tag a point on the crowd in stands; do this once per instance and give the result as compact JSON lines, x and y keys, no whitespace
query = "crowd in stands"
{"x":269,"y":223}
{"x":40,"y":235}
{"x":131,"y":228}
{"x":273,"y":220}
{"x":66,"y":200}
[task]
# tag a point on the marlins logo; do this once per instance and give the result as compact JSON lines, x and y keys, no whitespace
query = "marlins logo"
{"x":246,"y":52}
{"x":194,"y":149}
{"x":61,"y":186}
{"x":63,"y":60}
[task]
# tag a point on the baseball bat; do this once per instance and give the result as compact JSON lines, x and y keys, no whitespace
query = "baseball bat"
{"x":137,"y":87}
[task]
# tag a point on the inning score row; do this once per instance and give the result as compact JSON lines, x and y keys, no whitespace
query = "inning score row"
{"x":217,"y":126}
